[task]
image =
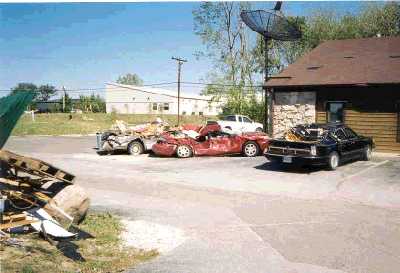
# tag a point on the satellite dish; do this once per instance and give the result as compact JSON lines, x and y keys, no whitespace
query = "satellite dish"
{"x":270,"y":24}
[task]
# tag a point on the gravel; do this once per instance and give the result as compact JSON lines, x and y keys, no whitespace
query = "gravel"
{"x":151,"y":236}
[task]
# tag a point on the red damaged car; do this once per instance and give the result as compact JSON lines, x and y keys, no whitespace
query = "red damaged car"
{"x":210,"y":140}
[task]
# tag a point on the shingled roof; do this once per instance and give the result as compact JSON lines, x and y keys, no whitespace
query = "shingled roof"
{"x":345,"y":62}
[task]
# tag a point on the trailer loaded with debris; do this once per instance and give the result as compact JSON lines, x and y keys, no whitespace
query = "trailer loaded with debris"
{"x":34,"y":195}
{"x":135,"y":139}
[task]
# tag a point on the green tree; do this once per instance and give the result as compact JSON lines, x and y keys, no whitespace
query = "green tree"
{"x":68,"y":104}
{"x":221,"y":30}
{"x":373,"y":20}
{"x":93,"y":103}
{"x":45,"y":92}
{"x":130,"y":79}
{"x":24,"y":87}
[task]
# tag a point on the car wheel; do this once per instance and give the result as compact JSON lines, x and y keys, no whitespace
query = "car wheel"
{"x":367,"y":153}
{"x":259,"y":129}
{"x":102,"y":152}
{"x":135,"y":148}
{"x":184,"y":151}
{"x":251,"y":149}
{"x":333,"y":161}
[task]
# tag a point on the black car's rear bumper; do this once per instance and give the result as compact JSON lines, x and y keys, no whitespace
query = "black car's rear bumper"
{"x":298,"y":160}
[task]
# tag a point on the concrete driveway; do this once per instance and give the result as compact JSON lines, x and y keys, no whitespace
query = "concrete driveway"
{"x":244,"y":214}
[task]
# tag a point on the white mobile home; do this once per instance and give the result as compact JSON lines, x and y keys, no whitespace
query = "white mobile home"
{"x":131,"y":99}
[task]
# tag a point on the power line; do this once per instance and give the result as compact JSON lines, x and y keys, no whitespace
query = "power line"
{"x":91,"y":89}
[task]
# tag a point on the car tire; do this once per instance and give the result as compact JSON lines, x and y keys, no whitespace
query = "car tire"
{"x":251,"y":149}
{"x":184,"y":151}
{"x":135,"y":148}
{"x":102,"y":152}
{"x":333,"y":161}
{"x":367,"y":153}
{"x":259,"y":129}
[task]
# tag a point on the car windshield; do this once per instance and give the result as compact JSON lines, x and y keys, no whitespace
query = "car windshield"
{"x":229,"y":118}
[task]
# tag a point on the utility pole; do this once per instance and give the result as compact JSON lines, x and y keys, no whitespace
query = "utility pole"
{"x":63,"y":101}
{"x":180,"y":62}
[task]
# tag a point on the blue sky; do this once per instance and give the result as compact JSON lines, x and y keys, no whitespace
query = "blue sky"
{"x":85,"y":45}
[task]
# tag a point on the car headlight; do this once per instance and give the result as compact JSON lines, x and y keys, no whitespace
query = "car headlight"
{"x":313,"y":150}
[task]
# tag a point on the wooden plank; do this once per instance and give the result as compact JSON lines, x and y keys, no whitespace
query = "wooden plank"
{"x":14,"y":217}
{"x":371,"y":127}
{"x":17,"y":224}
{"x":34,"y":166}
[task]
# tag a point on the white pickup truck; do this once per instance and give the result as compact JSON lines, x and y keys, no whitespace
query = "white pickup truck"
{"x":240,"y":124}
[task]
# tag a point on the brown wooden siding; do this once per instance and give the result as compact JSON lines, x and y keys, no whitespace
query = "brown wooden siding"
{"x":382,"y":127}
{"x":369,"y":112}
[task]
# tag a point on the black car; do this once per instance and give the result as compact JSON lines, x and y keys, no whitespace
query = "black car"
{"x":320,"y":144}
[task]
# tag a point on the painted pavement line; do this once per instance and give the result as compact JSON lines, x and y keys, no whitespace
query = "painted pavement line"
{"x":343,"y":180}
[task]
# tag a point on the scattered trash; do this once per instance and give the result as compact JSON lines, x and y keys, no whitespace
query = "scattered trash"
{"x":37,"y":195}
{"x":46,"y":224}
{"x":34,"y":194}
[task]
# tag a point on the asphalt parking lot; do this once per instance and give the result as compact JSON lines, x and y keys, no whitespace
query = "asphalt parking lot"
{"x":244,"y":214}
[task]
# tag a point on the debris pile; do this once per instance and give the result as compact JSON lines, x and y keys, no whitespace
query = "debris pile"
{"x":304,"y":133}
{"x":35,"y":195}
{"x":192,"y":131}
{"x":153,"y":128}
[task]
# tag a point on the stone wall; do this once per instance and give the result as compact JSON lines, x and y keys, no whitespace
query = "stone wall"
{"x":291,"y":109}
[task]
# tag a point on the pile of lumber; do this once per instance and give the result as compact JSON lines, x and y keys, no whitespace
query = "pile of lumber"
{"x":35,"y":195}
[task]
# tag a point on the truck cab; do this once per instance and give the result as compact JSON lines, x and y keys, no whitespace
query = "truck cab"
{"x":240,"y":124}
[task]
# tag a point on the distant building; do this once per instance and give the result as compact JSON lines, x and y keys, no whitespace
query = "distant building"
{"x":54,"y":105}
{"x":131,"y":99}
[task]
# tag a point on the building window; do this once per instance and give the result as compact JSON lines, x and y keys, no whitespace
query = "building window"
{"x":166,"y":106}
{"x":133,"y":98}
{"x":335,"y":111}
{"x":155,"y":106}
{"x":200,"y":113}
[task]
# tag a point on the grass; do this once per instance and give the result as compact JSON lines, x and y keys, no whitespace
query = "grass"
{"x":98,"y":248}
{"x":60,"y":124}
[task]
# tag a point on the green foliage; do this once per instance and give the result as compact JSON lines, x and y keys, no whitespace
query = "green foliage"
{"x":130,"y":79}
{"x":93,"y":103}
{"x":374,"y":20}
{"x":45,"y":92}
{"x":219,"y":26}
{"x":42,"y":93}
{"x":24,"y":87}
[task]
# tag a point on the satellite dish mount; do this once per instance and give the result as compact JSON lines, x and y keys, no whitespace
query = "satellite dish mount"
{"x":272,"y":25}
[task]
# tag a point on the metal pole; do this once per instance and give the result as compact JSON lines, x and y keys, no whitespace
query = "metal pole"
{"x":63,"y":105}
{"x":266,"y":104}
{"x":180,"y":62}
{"x":179,"y":91}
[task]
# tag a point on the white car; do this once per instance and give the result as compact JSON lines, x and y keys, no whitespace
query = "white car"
{"x":240,"y":124}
